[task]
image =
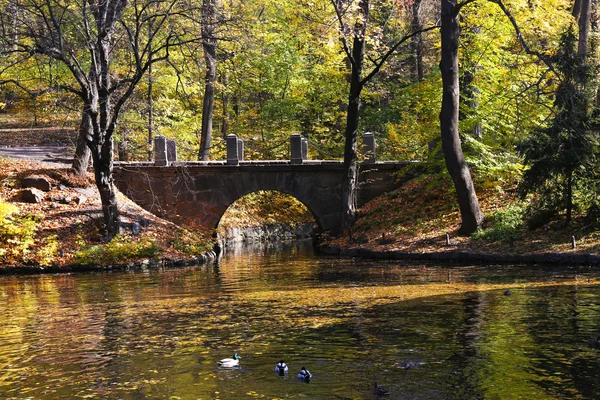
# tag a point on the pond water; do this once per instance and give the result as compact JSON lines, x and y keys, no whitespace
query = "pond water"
{"x":419,"y":331}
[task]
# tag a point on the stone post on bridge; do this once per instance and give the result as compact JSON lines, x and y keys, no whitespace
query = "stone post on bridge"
{"x":160,"y":151}
{"x":240,"y":145}
{"x":171,"y":151}
{"x":369,"y":148}
{"x":233,"y":148}
{"x":298,"y":149}
{"x":304,"y":148}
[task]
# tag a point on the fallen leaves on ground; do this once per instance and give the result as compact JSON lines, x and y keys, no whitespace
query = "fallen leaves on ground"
{"x":417,"y":217}
{"x":73,"y":224}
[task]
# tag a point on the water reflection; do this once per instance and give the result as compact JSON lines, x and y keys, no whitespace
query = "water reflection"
{"x":419,"y":331}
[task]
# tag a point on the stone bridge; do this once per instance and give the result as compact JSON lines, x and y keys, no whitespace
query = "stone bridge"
{"x":200,"y":192}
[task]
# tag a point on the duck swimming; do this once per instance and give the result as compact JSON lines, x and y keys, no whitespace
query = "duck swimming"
{"x":379,"y":391}
{"x":304,"y":374}
{"x":230,"y":362}
{"x":281,"y":368}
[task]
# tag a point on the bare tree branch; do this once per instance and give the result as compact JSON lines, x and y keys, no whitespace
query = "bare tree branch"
{"x":380,"y":61}
{"x":522,"y":41}
{"x":343,"y":39}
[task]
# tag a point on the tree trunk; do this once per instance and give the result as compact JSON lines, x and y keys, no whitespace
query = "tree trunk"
{"x":471,"y":214}
{"x":350,"y":178}
{"x":13,"y":9}
{"x":81,"y":160}
{"x":569,"y":195}
{"x":576,"y":9}
{"x":584,"y":28}
{"x":350,"y":155}
{"x":103,"y":172}
{"x":593,"y":45}
{"x":150,"y":115}
{"x":417,"y":43}
{"x":225,"y":105}
{"x":209,"y":44}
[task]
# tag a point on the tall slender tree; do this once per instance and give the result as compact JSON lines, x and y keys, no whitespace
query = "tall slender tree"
{"x":355,"y":53}
{"x":584,"y":28}
{"x":209,"y":44}
{"x":417,"y":42}
{"x":470,"y":211}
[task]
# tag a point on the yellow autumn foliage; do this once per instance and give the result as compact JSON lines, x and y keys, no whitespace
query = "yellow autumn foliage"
{"x":17,"y":232}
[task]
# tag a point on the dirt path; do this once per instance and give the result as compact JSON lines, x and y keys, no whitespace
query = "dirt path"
{"x":37,"y":135}
{"x":54,"y":155}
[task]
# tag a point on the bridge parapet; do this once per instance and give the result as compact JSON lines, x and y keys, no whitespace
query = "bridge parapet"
{"x":165,"y":151}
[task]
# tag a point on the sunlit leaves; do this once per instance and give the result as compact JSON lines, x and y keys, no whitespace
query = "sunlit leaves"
{"x":265,"y":208}
{"x":17,"y":233}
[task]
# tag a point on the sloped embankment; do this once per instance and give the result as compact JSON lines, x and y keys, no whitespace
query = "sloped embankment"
{"x":61,"y":229}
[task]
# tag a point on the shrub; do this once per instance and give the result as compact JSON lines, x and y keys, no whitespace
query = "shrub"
{"x":192,"y":243}
{"x":45,"y":255}
{"x":17,"y":232}
{"x":506,"y":225}
{"x":120,"y":248}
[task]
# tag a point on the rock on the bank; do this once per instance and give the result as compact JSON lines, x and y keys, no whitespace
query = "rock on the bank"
{"x":32,"y":195}
{"x":37,"y":182}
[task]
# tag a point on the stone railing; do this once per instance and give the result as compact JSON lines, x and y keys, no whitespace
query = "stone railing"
{"x":165,"y":150}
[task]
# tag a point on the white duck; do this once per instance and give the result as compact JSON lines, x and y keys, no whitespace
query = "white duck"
{"x":281,"y":368}
{"x":305,"y":375}
{"x":230,"y":362}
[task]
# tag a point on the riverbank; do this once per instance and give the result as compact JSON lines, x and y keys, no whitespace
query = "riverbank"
{"x":465,"y":257}
{"x":420,"y":221}
{"x":243,"y":236}
{"x":51,"y":221}
{"x":60,"y":230}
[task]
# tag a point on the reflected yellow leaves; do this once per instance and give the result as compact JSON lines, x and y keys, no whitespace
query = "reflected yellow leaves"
{"x":159,"y":336}
{"x":368,"y":296}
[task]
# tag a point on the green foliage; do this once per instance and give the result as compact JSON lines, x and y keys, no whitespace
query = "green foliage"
{"x":120,"y":248}
{"x":506,"y":225}
{"x":409,"y":122}
{"x":562,"y":156}
{"x":17,"y":233}
{"x":191,"y":243}
{"x":494,"y":168}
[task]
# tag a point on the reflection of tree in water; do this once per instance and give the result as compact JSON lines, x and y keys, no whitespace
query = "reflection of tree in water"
{"x":413,"y":329}
{"x":566,"y":317}
{"x":464,"y":379}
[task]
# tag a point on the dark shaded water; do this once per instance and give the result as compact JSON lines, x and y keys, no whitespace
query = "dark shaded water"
{"x":158,"y":335}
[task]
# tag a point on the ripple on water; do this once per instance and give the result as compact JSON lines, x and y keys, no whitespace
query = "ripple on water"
{"x":421,"y":331}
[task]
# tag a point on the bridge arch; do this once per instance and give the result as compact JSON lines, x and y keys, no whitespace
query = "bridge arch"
{"x":270,"y":205}
{"x":318,"y":192}
{"x":200,"y":193}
